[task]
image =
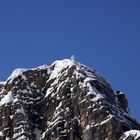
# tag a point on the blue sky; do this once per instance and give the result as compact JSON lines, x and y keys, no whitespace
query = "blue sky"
{"x":104,"y":34}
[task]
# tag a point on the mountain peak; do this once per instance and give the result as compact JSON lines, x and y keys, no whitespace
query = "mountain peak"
{"x":66,"y":100}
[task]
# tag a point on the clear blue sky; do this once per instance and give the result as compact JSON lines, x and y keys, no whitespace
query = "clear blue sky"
{"x":104,"y":34}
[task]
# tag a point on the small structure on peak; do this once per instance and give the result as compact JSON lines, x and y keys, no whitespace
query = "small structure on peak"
{"x":73,"y":58}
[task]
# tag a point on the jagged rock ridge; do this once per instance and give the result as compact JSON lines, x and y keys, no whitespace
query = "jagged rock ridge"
{"x":64,"y":101}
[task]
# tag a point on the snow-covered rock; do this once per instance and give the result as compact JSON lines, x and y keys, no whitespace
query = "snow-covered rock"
{"x":131,"y":135}
{"x":66,"y":100}
{"x":8,"y":98}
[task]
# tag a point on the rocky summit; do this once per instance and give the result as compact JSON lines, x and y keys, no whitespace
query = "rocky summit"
{"x":63,"y":101}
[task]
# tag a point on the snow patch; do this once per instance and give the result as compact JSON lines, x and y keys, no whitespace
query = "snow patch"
{"x":19,"y":71}
{"x":97,"y":98}
{"x":15,"y":74}
{"x":21,"y":110}
{"x":7,"y":99}
{"x":42,"y":67}
{"x":88,"y":127}
{"x":59,"y":66}
{"x":2,"y":82}
{"x":134,"y":133}
{"x":60,"y":104}
{"x":23,"y":138}
{"x":1,"y":133}
{"x":49,"y":91}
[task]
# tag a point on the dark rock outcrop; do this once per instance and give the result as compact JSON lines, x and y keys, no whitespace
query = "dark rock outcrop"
{"x":122,"y":101}
{"x":64,"y":101}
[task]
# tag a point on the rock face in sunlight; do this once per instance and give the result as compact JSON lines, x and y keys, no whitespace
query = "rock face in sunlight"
{"x":64,"y":101}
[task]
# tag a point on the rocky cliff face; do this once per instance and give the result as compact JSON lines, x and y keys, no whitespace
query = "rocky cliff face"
{"x":64,"y":101}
